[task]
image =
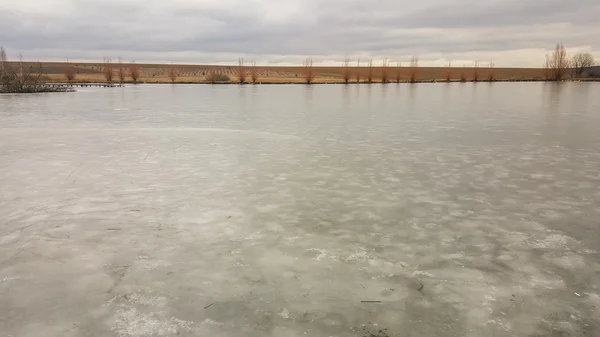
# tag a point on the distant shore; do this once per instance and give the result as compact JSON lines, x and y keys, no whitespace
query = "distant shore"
{"x":84,"y":73}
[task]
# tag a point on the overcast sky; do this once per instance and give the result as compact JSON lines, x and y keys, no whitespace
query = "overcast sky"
{"x":508,"y":32}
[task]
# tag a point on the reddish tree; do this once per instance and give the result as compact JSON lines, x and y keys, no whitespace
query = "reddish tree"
{"x":449,"y":71}
{"x":70,"y":72}
{"x":172,"y":73}
{"x":476,"y":72}
{"x":107,"y":70}
{"x":398,"y":71}
{"x":346,"y":70}
{"x":370,"y":71}
{"x":384,"y":71}
{"x":414,"y":69}
{"x":254,"y":73}
{"x":492,"y":72}
{"x":241,"y":71}
{"x":121,"y":71}
{"x":134,"y":72}
{"x":309,"y":73}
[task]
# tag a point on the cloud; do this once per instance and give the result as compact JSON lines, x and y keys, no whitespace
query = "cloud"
{"x":510,"y":32}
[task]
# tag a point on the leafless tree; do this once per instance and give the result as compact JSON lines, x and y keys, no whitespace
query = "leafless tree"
{"x":463,"y":76}
{"x":121,"y":71}
{"x":241,"y":71}
{"x":547,"y":68}
{"x":346,"y":70}
{"x":254,"y":73}
{"x":3,"y":60}
{"x":449,"y":71}
{"x":370,"y":71}
{"x":476,"y":72}
{"x":172,"y":73}
{"x":384,"y":70}
{"x":492,"y":72}
{"x":580,"y":62}
{"x":69,"y":72}
{"x":558,"y":63}
{"x":107,"y":70}
{"x":414,"y":69}
{"x":398,"y":70}
{"x":134,"y":72}
{"x":18,"y":77}
{"x":309,"y":73}
{"x":358,"y":70}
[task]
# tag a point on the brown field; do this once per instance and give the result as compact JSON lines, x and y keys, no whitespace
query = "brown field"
{"x":159,"y":73}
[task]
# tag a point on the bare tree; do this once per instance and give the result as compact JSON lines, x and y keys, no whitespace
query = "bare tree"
{"x":172,"y":73}
{"x":476,"y":72}
{"x":69,"y":72}
{"x":358,"y":70}
{"x":20,"y":78}
{"x":463,"y":76}
{"x":580,"y":62}
{"x":346,"y":70}
{"x":384,"y":70}
{"x":241,"y":71}
{"x":398,"y":70}
{"x":3,"y":60}
{"x":121,"y":71}
{"x":370,"y":71}
{"x":558,"y":63}
{"x":107,"y":70}
{"x":414,"y":69}
{"x":547,"y":68}
{"x":134,"y":72}
{"x":309,"y":73}
{"x":449,"y":71}
{"x":254,"y":73}
{"x":492,"y":72}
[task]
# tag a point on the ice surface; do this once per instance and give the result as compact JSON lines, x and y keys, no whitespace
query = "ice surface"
{"x":467,"y":210}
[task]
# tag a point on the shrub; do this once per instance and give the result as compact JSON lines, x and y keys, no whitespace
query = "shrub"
{"x":214,"y":77}
{"x":21,"y":78}
{"x":134,"y":72}
{"x":384,"y":70}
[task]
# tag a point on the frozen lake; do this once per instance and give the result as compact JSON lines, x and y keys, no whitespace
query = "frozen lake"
{"x":413,"y":210}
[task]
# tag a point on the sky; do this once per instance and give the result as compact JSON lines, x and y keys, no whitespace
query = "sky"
{"x":285,"y":32}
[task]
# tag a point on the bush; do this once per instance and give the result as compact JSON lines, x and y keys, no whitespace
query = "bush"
{"x":17,"y":77}
{"x":214,"y":77}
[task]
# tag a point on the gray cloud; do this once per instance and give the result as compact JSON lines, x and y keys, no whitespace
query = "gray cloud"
{"x":509,"y":31}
